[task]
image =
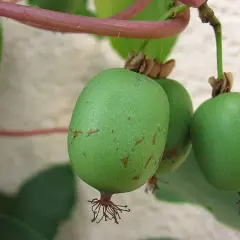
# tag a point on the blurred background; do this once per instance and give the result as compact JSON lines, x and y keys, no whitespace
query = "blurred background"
{"x":41,"y":76}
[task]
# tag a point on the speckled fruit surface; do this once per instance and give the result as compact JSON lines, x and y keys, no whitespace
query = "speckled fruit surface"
{"x":118,"y":130}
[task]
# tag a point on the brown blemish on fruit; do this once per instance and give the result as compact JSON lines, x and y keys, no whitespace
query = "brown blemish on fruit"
{"x":75,"y":133}
{"x":154,"y":139}
{"x":139,"y":141}
{"x":135,"y":178}
{"x":148,"y":161}
{"x":171,"y":153}
{"x":129,"y":118}
{"x":92,"y":131}
{"x":125,"y":161}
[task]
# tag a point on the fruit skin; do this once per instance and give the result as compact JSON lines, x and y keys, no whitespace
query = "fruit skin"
{"x":178,"y":144}
{"x":215,"y":133}
{"x":172,"y":163}
{"x":120,"y":123}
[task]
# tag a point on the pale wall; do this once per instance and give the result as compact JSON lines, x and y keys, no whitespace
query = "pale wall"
{"x":42,"y":74}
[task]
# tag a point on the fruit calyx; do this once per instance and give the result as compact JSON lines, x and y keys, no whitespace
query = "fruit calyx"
{"x":221,"y":86}
{"x":110,"y":211}
{"x":148,"y":66}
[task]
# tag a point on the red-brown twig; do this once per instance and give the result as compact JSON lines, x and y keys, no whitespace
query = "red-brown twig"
{"x":127,"y":13}
{"x":193,"y":3}
{"x":33,"y":132}
{"x":63,"y":22}
{"x":10,"y":1}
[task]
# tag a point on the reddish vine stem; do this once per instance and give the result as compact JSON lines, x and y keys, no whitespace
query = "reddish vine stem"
{"x":63,"y":22}
{"x":10,"y":1}
{"x":127,"y":13}
{"x":33,"y":132}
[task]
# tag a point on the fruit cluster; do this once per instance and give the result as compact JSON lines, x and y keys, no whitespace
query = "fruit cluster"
{"x":130,"y":124}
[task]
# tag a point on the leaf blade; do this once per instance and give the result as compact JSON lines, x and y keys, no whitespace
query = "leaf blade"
{"x":187,"y":184}
{"x":46,"y":200}
{"x":12,"y":229}
{"x":157,"y":48}
{"x":67,"y":6}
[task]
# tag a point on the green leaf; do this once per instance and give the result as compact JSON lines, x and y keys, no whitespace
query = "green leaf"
{"x":189,"y":185}
{"x":68,"y":6}
{"x":47,"y":199}
{"x":157,"y":48}
{"x":12,"y":229}
{"x":6,"y":203}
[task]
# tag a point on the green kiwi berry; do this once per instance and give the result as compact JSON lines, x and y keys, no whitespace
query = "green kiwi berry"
{"x":178,"y":143}
{"x":118,"y":131}
{"x":215,"y":134}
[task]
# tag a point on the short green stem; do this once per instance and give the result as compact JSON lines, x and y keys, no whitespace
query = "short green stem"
{"x":207,"y":15}
{"x":170,"y":13}
{"x":173,"y":11}
{"x":218,"y":36}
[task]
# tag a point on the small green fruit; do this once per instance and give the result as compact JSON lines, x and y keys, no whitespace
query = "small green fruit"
{"x":215,"y":133}
{"x":118,"y":131}
{"x":178,"y":143}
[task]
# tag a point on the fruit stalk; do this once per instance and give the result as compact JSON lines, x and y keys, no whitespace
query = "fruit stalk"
{"x":207,"y":15}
